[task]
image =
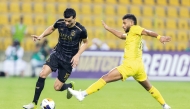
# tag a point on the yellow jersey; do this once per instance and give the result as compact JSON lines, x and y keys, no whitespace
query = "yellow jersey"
{"x":133,"y":43}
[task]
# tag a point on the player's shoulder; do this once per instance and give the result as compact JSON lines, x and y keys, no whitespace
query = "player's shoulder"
{"x":80,"y":26}
{"x":135,"y":28}
{"x":60,"y":21}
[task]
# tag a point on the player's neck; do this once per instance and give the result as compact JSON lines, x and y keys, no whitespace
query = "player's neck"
{"x":73,"y":25}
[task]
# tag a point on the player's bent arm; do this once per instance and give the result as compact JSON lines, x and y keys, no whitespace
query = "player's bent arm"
{"x":47,"y":32}
{"x":83,"y":47}
{"x":149,"y":33}
{"x":117,"y":33}
{"x":162,"y":39}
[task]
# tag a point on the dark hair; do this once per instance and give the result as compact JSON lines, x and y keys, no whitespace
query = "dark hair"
{"x":132,"y":17}
{"x":16,"y":43}
{"x":69,"y":12}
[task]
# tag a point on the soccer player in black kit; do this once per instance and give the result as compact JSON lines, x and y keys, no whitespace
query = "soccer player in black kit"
{"x":71,"y":44}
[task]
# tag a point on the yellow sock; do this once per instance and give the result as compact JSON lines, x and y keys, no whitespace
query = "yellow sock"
{"x":156,"y":94}
{"x":95,"y":86}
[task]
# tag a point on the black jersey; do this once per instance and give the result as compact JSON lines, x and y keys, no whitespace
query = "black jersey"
{"x":69,"y":40}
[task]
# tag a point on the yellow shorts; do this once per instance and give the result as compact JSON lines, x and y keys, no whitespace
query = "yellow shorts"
{"x":133,"y":68}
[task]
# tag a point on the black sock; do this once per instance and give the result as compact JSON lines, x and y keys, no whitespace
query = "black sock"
{"x":38,"y":89}
{"x":65,"y":86}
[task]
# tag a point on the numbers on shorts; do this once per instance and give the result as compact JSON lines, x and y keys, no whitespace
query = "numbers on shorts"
{"x":66,"y":76}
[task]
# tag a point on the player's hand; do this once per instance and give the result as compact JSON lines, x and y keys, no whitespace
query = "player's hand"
{"x":35,"y":38}
{"x":105,"y":25}
{"x":75,"y":61}
{"x":164,"y":39}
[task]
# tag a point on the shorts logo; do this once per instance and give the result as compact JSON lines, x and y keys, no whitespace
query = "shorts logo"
{"x":66,"y":76}
{"x":72,"y":33}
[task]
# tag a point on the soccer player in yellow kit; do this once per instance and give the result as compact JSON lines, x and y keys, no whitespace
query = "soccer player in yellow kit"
{"x":132,"y":64}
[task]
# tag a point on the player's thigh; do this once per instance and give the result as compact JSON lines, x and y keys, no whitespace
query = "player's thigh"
{"x":141,"y":77}
{"x":112,"y":75}
{"x":125,"y":70}
{"x":50,"y":65}
{"x":140,"y":74}
{"x":64,"y":71}
{"x":63,"y":75}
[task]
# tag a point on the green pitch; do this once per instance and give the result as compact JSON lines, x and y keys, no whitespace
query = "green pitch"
{"x":15,"y":92}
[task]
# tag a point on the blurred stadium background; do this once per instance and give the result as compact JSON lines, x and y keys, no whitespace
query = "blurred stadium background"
{"x":167,"y":17}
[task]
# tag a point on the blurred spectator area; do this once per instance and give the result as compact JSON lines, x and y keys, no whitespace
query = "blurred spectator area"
{"x":166,"y":17}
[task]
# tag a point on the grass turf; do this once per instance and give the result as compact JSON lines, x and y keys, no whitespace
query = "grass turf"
{"x":15,"y":92}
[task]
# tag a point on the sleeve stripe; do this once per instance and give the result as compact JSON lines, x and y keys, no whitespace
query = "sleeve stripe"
{"x":60,"y":21}
{"x":78,"y":28}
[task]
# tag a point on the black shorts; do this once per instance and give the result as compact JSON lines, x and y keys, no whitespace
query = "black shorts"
{"x":64,"y":68}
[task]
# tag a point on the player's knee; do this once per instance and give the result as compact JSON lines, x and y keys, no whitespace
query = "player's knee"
{"x":46,"y":70}
{"x":148,"y":87}
{"x":43,"y":75}
{"x":57,"y":88}
{"x":105,"y":78}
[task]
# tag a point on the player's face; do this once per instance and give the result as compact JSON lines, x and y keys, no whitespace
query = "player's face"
{"x":69,"y":21}
{"x":127,"y":23}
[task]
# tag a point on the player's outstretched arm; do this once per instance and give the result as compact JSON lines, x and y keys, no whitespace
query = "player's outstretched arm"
{"x":47,"y":32}
{"x":162,"y":39}
{"x":113,"y":31}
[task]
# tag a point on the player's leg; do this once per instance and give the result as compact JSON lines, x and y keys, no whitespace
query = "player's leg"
{"x":46,"y":70}
{"x":142,"y":78}
{"x":50,"y":65}
{"x":64,"y":72}
{"x":60,"y":86}
{"x":154,"y":92}
{"x":112,"y":76}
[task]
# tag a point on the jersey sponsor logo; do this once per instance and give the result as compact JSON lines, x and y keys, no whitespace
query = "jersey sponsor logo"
{"x":72,"y":33}
{"x":65,"y":37}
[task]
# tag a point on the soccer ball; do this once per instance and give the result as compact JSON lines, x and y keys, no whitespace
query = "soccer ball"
{"x":47,"y":103}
